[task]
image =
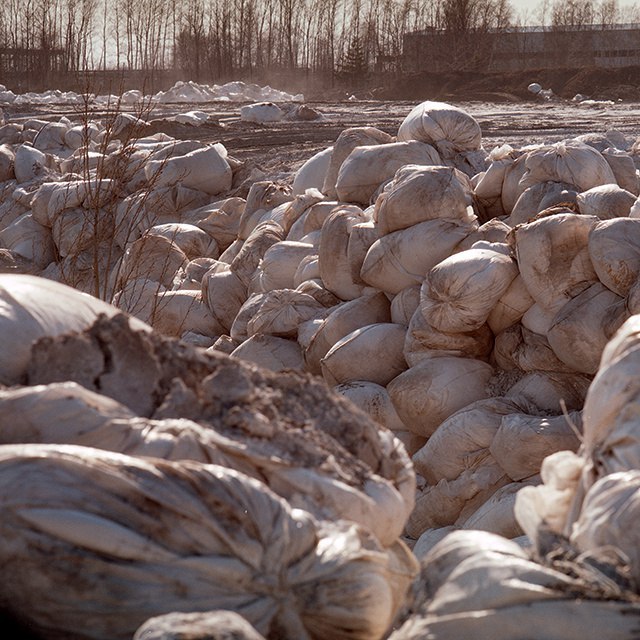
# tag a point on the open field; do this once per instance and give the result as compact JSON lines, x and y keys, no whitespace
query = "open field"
{"x":280,"y":148}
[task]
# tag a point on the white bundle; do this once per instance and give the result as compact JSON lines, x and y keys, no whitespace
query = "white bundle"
{"x":336,"y":271}
{"x":7,"y":163}
{"x":83,"y":507}
{"x":205,"y":169}
{"x":550,"y":391}
{"x":369,"y":167}
{"x":33,"y":308}
{"x":153,"y":257}
{"x":568,"y":161}
{"x":451,"y":502}
{"x":462,"y":442}
{"x":553,"y":257}
{"x":404,"y":304}
{"x":312,"y":174}
{"x":174,"y":313}
{"x":247,"y":311}
{"x":479,"y":585}
{"x":511,"y":306}
{"x":511,"y":189}
{"x":176,"y":624}
{"x":609,"y":519}
{"x":614,"y":249}
{"x":441,"y":123}
{"x":311,"y":220}
{"x":362,"y":237}
{"x":435,"y":388}
{"x":224,"y":293}
{"x":423,"y":341}
{"x":538,"y":318}
{"x":76,"y":230}
{"x":420,"y":193}
{"x":520,"y":348}
{"x":605,"y":202}
{"x":398,"y":260}
{"x":221,"y":220}
{"x":261,"y":112}
{"x":488,"y":184}
{"x":193,"y":241}
{"x":346,"y":142}
{"x":460,"y":292}
{"x":523,"y":441}
{"x":138,"y":297}
{"x":271,"y":352}
{"x":29,"y":239}
{"x":30,"y":163}
{"x":374,"y":400}
{"x":584,"y":325}
{"x":280,"y":263}
{"x":624,"y":169}
{"x":372,"y":353}
{"x":281,"y":311}
{"x":539,"y":197}
{"x":252,"y":250}
{"x":497,"y":514}
{"x":342,"y":320}
{"x":51,"y":198}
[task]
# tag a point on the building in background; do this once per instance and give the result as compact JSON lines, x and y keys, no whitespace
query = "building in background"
{"x":518,"y":49}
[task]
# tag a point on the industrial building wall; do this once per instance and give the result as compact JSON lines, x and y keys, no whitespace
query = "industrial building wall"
{"x":517,"y":50}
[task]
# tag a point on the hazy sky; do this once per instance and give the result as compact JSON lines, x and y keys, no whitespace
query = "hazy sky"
{"x":531,"y":7}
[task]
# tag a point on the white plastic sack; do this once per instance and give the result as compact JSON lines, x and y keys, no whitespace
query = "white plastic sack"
{"x":342,"y":320}
{"x":33,"y":308}
{"x":271,"y":352}
{"x":553,"y":257}
{"x":204,"y":169}
{"x":583,"y":326}
{"x":614,"y":249}
{"x":398,"y":260}
{"x":428,"y":393}
{"x":438,"y":122}
{"x":82,"y":506}
{"x":460,"y":292}
{"x":333,"y":254}
{"x":568,"y":161}
{"x":420,"y":193}
{"x":605,"y":202}
{"x":372,"y":353}
{"x":368,"y":167}
{"x":312,"y":174}
{"x":346,"y":142}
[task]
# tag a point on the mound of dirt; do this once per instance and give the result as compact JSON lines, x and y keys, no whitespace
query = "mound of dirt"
{"x":597,"y":83}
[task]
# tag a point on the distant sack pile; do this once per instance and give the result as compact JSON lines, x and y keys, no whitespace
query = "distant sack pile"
{"x":445,"y":443}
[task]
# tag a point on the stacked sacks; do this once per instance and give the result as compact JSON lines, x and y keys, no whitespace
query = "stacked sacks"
{"x":583,"y":567}
{"x":608,"y":445}
{"x":291,"y":461}
{"x":476,"y":584}
{"x":475,"y":327}
{"x":407,"y":296}
{"x":103,"y":229}
{"x":99,"y":513}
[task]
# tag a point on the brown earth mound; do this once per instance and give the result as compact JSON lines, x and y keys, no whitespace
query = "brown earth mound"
{"x":597,"y":83}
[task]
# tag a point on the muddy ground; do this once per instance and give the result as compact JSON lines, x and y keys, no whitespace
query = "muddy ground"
{"x":278,"y":149}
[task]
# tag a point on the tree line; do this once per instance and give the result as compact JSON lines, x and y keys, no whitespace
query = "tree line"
{"x":207,"y":40}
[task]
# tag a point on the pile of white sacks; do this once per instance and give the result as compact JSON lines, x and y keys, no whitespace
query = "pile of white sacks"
{"x":181,"y":91}
{"x":463,"y":299}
